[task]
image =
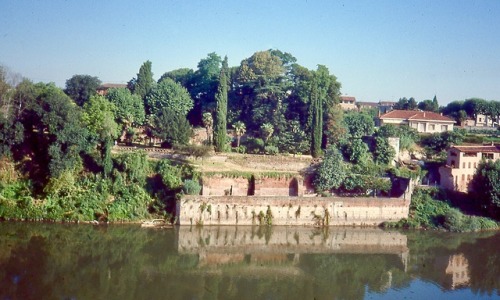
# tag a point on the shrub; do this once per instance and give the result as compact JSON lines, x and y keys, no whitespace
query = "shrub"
{"x":241,"y":149}
{"x":271,"y":150}
{"x":254,"y":145}
{"x":191,"y":187}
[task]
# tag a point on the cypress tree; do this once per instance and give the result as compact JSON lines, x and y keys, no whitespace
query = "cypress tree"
{"x":221,"y":112}
{"x":145,"y":81}
{"x":317,"y":121}
{"x":435,"y":104}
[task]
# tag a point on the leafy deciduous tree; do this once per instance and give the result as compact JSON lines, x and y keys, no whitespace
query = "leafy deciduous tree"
{"x":81,"y":87}
{"x":486,"y":186}
{"x":358,"y":124}
{"x":99,"y":117}
{"x":383,"y":153}
{"x":331,"y":172}
{"x":168,"y":94}
{"x":129,"y":108}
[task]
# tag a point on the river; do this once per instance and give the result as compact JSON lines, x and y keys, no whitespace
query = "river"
{"x":67,"y":261}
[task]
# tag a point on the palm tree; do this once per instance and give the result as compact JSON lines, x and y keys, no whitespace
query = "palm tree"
{"x":267,"y":131}
{"x":239,"y":130}
{"x":208,"y":122}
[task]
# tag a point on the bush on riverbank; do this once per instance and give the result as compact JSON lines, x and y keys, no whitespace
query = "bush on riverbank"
{"x":429,"y":210}
{"x":135,"y":190}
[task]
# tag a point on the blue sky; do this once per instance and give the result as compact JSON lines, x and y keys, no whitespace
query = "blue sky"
{"x":379,"y":50}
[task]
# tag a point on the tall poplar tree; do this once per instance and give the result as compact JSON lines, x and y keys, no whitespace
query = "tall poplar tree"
{"x":145,"y":81}
{"x":316,"y":120}
{"x":221,"y":112}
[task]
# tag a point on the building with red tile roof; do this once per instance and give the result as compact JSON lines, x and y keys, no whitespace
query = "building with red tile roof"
{"x":422,"y":121}
{"x":103,"y":89}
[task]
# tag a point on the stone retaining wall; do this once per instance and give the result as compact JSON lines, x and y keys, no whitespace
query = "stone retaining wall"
{"x":325,"y":211}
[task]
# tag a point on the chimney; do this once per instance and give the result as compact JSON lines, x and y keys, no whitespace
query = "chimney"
{"x":424,"y":114}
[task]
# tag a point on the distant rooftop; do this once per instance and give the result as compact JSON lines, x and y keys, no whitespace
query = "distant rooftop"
{"x":416,"y":115}
{"x":112,"y":85}
{"x":478,"y":148}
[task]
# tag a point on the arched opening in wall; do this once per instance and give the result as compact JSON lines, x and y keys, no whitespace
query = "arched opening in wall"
{"x":293,"y":187}
{"x":251,"y":186}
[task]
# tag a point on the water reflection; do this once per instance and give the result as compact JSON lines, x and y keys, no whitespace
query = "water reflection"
{"x":51,"y":261}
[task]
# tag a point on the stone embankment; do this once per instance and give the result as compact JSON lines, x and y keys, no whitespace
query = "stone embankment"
{"x":314,"y":211}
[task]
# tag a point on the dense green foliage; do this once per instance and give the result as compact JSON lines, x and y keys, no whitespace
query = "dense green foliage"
{"x":358,"y":124}
{"x":429,"y":210}
{"x":406,"y":104}
{"x":486,"y":186}
{"x":81,"y":87}
{"x":408,"y":136}
{"x":129,"y":108}
{"x":168,"y":94}
{"x":144,"y":83}
{"x":173,"y":128}
{"x":331,"y":172}
{"x":460,"y":110}
{"x":437,"y":143}
{"x":384,"y":153}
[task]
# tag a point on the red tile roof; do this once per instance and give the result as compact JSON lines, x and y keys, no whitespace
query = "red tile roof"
{"x":478,"y":148}
{"x":111,"y":85}
{"x":416,"y":115}
{"x":348,"y":98}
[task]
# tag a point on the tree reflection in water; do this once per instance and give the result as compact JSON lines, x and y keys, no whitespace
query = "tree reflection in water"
{"x":47,"y":261}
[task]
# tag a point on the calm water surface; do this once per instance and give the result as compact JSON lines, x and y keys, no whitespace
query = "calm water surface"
{"x":54,"y":261}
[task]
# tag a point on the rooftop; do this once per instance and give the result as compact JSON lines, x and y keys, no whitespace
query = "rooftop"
{"x":111,"y":85}
{"x":348,"y":98}
{"x":416,"y":115}
{"x":478,"y":148}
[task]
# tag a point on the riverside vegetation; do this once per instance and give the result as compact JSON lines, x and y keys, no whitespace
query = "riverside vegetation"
{"x":56,"y":160}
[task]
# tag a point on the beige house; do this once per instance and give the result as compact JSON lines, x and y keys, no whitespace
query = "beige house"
{"x":348,"y":102}
{"x":462,"y":163}
{"x":480,"y":121}
{"x":422,"y":121}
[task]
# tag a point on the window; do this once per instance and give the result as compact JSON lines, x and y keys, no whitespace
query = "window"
{"x":444,"y":127}
{"x":463,"y":165}
{"x":475,"y":166}
{"x":488,"y":155}
{"x":468,"y":177}
{"x":432,"y":127}
{"x":463,"y":177}
{"x":469,"y":164}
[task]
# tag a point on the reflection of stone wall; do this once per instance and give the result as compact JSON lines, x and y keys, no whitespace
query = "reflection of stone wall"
{"x":192,"y":210}
{"x":278,"y":240}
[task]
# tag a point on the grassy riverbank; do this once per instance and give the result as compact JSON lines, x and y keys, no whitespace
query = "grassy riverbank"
{"x":430,"y":209}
